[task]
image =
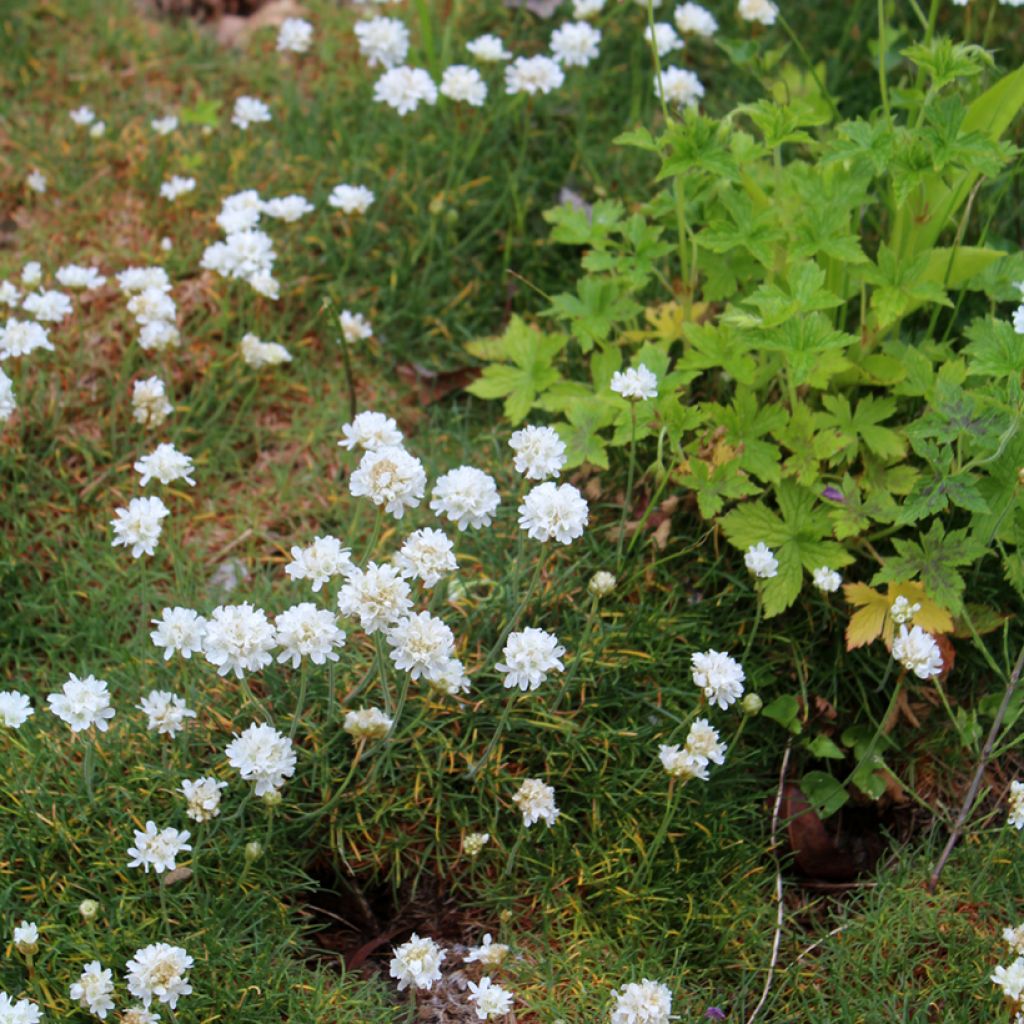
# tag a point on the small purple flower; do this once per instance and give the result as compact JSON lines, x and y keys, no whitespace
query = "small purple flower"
{"x":833,"y":494}
{"x":714,"y":1013}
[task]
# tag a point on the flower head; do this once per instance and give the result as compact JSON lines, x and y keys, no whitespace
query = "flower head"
{"x":827,"y":580}
{"x":536,"y":800}
{"x":351,"y":198}
{"x":420,"y":645}
{"x":288,"y":208}
{"x":74,"y":276}
{"x":376,"y":595}
{"x":404,"y":89}
{"x":1011,"y":980}
{"x":159,"y":971}
{"x":918,"y":652}
{"x":471,"y":847}
{"x":761,"y":561}
{"x":417,"y":962}
{"x":648,"y":1002}
{"x":371,"y":431}
{"x":26,"y":938}
{"x":664,"y":38}
{"x":489,"y":953}
{"x":367,"y":723}
{"x":15,"y":709}
{"x":532,"y":75}
{"x":164,"y":125}
{"x":719,"y":676}
{"x":22,"y":337}
{"x":391,"y":477}
{"x":319,"y":561}
{"x":248,"y":111}
{"x":178,"y":631}
{"x":575,"y":44}
{"x":529,"y":656}
{"x":149,"y":402}
{"x":138,"y":526}
{"x":202,"y":797}
{"x":262,"y":755}
{"x":680,"y":87}
{"x":466,"y":496}
{"x":463,"y":84}
{"x":354,"y":327}
{"x":426,"y":555}
{"x":166,"y":712}
{"x":239,"y":639}
{"x":602,"y":583}
{"x":490,"y":1000}
{"x":166,"y":464}
{"x":83,"y":703}
{"x":488,"y":49}
{"x":176,"y":186}
{"x":902,"y":612}
{"x":294,"y":36}
{"x":21,"y":1012}
{"x":692,"y":18}
{"x":554,"y":512}
{"x":636,"y":383}
{"x":8,"y":403}
{"x":382,"y":41}
{"x":94,"y":989}
{"x":539,"y":452}
{"x":257,"y":353}
{"x":36,"y":180}
{"x":681,"y":763}
{"x":762,"y":11}
{"x":305,"y":631}
{"x":157,"y":848}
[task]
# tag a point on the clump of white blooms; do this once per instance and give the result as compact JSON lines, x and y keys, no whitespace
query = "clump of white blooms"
{"x":389,"y":477}
{"x":489,"y":954}
{"x":719,"y":676}
{"x":575,"y":44}
{"x":137,"y":279}
{"x":157,"y":848}
{"x":164,"y":125}
{"x":48,"y":306}
{"x":138,"y":525}
{"x":367,"y":723}
{"x":532,"y":75}
{"x":81,"y":278}
{"x":21,"y":338}
{"x":176,"y":186}
{"x":202,"y":797}
{"x":82,"y":116}
{"x":249,"y":111}
{"x":902,"y":612}
{"x":762,"y":11}
{"x":305,"y":631}
{"x":319,"y":562}
{"x":917,"y":652}
{"x":83,"y":703}
{"x":351,"y":198}
{"x":426,"y":555}
{"x":417,"y":962}
{"x":376,"y":595}
{"x":258,"y":353}
{"x":159,"y":971}
{"x":239,"y":639}
{"x":451,"y":678}
{"x":247,"y":254}
{"x":382,"y":41}
{"x":10,"y":295}
{"x":466,"y":496}
{"x":587,"y":8}
{"x":702,"y":747}
{"x":664,"y":38}
{"x":472,"y":845}
{"x":8,"y":403}
{"x":93,"y":990}
{"x":26,"y":938}
{"x":488,"y":49}
{"x":760,"y":560}
{"x":554,"y":512}
{"x":36,"y":180}
{"x":636,"y":383}
{"x":240,"y":211}
{"x":646,"y":1002}
{"x":1014,"y":938}
{"x":98,"y":129}
{"x":294,"y":36}
{"x":1018,"y":320}
{"x":158,"y":335}
{"x":827,"y":580}
{"x":529,"y":656}
{"x":404,"y":89}
{"x":263,"y":756}
{"x":1015,"y":816}
{"x":491,"y":1000}
{"x":354,"y":327}
{"x":152,"y":305}
{"x":421,"y":645}
{"x":463,"y":84}
{"x":149,"y":402}
{"x":540,"y":452}
{"x":288,"y":208}
{"x":139,"y":1015}
{"x":166,"y":464}
{"x":15,"y":709}
{"x":165,"y":712}
{"x":602,"y":583}
{"x":692,"y":18}
{"x":536,"y":800}
{"x":679,"y":86}
{"x":31,"y":273}
{"x":21,"y":1012}
{"x":179,"y":631}
{"x":1011,"y":980}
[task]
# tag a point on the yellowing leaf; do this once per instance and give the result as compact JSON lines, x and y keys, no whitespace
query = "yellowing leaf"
{"x":872,"y":619}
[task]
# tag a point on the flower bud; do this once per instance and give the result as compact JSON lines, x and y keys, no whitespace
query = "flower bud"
{"x":601,"y":584}
{"x":751,"y":704}
{"x":253,"y":851}
{"x":88,"y":909}
{"x":272,"y":798}
{"x":26,"y":939}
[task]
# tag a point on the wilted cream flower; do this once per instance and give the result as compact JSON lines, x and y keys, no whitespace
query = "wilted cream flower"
{"x":472,"y":845}
{"x":202,"y":797}
{"x":536,"y":800}
{"x":489,"y":953}
{"x":367,"y":723}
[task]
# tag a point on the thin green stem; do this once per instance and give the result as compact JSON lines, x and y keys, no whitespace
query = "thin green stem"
{"x":301,"y":702}
{"x":629,"y":487}
{"x":883,"y":51}
{"x":671,"y":805}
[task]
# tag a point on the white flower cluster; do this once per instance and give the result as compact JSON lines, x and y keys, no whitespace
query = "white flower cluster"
{"x":247,"y":253}
{"x":702,"y":747}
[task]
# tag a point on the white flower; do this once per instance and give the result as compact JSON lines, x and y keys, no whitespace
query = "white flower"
{"x":466,"y":496}
{"x":491,"y":1000}
{"x":294,"y":36}
{"x":404,"y":88}
{"x":703,"y":741}
{"x":383,"y":41}
{"x":463,"y":84}
{"x":489,"y":953}
{"x":50,"y":306}
{"x":138,"y":525}
{"x":719,"y":676}
{"x":98,"y":130}
{"x":288,"y":208}
{"x":1018,"y":319}
{"x":354,"y":327}
{"x":389,"y":477}
{"x":21,"y":338}
{"x":166,"y":712}
{"x":648,"y":1002}
{"x":635,"y":383}
{"x":263,"y":282}
{"x":680,"y":85}
{"x":149,"y":402}
{"x":74,"y":276}
{"x":367,"y":723}
{"x":249,"y":110}
{"x":902,"y":612}
{"x":682,"y":764}
{"x":664,"y":38}
{"x":9,"y":294}
{"x":529,"y":656}
{"x":202,"y":797}
{"x":471,"y":846}
{"x":26,"y":938}
{"x":693,"y":18}
{"x":1011,"y":980}
{"x":451,"y":679}
{"x":166,"y":464}
{"x":94,"y":989}
{"x":157,"y":848}
{"x":239,"y":639}
{"x":305,"y":631}
{"x":377,"y":595}
{"x":536,"y":800}
{"x":426,"y":555}
{"x":82,"y":116}
{"x":83,"y":703}
{"x":15,"y":709}
{"x":137,"y":279}
{"x":31,"y":274}
{"x":157,"y":335}
{"x":152,"y":304}
{"x":8,"y":403}
{"x":167,"y":245}
{"x":554,"y":512}
{"x":587,"y":8}
{"x":262,"y":755}
{"x":540,"y":452}
{"x":1014,"y":938}
{"x":351,"y":198}
{"x":488,"y":49}
{"x":257,"y":353}
{"x":917,"y":652}
{"x":21,"y":1012}
{"x":176,"y":186}
{"x":159,"y":971}
{"x":420,"y":645}
{"x":240,"y":211}
{"x":417,"y":962}
{"x":371,"y":431}
{"x":243,"y":254}
{"x":575,"y":44}
{"x":761,"y":561}
{"x":164,"y":125}
{"x":36,"y":180}
{"x":319,"y":561}
{"x":139,"y":1015}
{"x":532,"y":75}
{"x":763,"y":11}
{"x":827,"y":580}
{"x":602,"y":583}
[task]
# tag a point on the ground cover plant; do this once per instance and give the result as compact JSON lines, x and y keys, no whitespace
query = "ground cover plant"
{"x":511,"y":512}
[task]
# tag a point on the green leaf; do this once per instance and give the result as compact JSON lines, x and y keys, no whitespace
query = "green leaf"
{"x":574,"y":225}
{"x":599,"y":304}
{"x":995,"y":349}
{"x":824,"y":791}
{"x":786,"y":711}
{"x":847,"y":429}
{"x":824,"y":747}
{"x":581,"y":435}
